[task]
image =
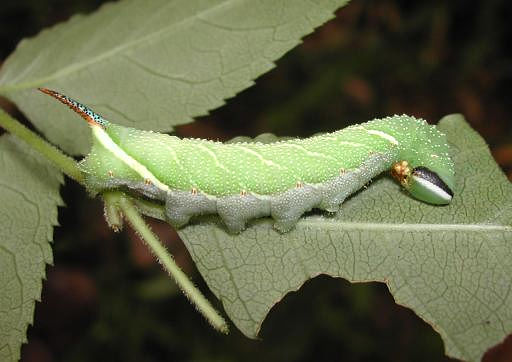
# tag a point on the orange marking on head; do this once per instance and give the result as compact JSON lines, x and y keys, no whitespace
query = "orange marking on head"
{"x":401,"y":172}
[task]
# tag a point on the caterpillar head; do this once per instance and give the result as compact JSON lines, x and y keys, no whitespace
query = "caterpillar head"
{"x":424,"y":184}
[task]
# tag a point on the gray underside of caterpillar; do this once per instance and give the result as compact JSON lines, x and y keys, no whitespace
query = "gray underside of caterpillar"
{"x":285,"y":208}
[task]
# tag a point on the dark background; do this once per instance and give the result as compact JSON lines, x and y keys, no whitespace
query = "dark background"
{"x":107,"y":299}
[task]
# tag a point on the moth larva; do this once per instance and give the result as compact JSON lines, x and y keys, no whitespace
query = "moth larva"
{"x":284,"y":179}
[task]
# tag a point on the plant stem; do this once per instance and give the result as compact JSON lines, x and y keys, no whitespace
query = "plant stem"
{"x":69,"y":166}
{"x":167,"y":261}
{"x":65,"y":163}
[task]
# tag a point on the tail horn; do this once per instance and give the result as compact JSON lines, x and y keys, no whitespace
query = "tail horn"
{"x":86,"y":113}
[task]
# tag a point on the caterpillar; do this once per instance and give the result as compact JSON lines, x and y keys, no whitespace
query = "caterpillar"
{"x":284,"y":179}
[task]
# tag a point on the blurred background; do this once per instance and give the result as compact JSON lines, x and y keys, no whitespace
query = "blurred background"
{"x":107,"y":299}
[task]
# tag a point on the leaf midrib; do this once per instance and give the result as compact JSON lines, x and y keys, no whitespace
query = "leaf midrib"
{"x":349,"y":225}
{"x":101,"y":56}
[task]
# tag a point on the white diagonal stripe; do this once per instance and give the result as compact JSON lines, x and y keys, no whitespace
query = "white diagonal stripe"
{"x":118,"y":152}
{"x":383,"y":135}
{"x":214,"y":156}
{"x":355,"y":144}
{"x":307,"y":152}
{"x":260,"y":157}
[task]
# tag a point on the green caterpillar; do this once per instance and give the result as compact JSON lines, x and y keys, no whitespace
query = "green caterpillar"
{"x":243,"y":181}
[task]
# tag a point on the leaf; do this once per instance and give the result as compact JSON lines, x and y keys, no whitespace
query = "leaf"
{"x":29,"y":196}
{"x":153,"y":64}
{"x":451,"y":265}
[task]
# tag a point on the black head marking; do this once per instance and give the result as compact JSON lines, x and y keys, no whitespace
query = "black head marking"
{"x":433,"y":178}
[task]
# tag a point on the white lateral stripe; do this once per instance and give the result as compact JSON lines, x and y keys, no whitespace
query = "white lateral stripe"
{"x":383,"y":135}
{"x":110,"y":145}
{"x":434,"y":188}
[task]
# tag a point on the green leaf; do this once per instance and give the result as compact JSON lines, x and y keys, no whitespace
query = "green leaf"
{"x":29,"y":196}
{"x":451,"y":265}
{"x":153,"y":64}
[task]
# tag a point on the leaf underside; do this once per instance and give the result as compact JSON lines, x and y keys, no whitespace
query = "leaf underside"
{"x":179,"y":59}
{"x":29,"y":196}
{"x":451,"y":265}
